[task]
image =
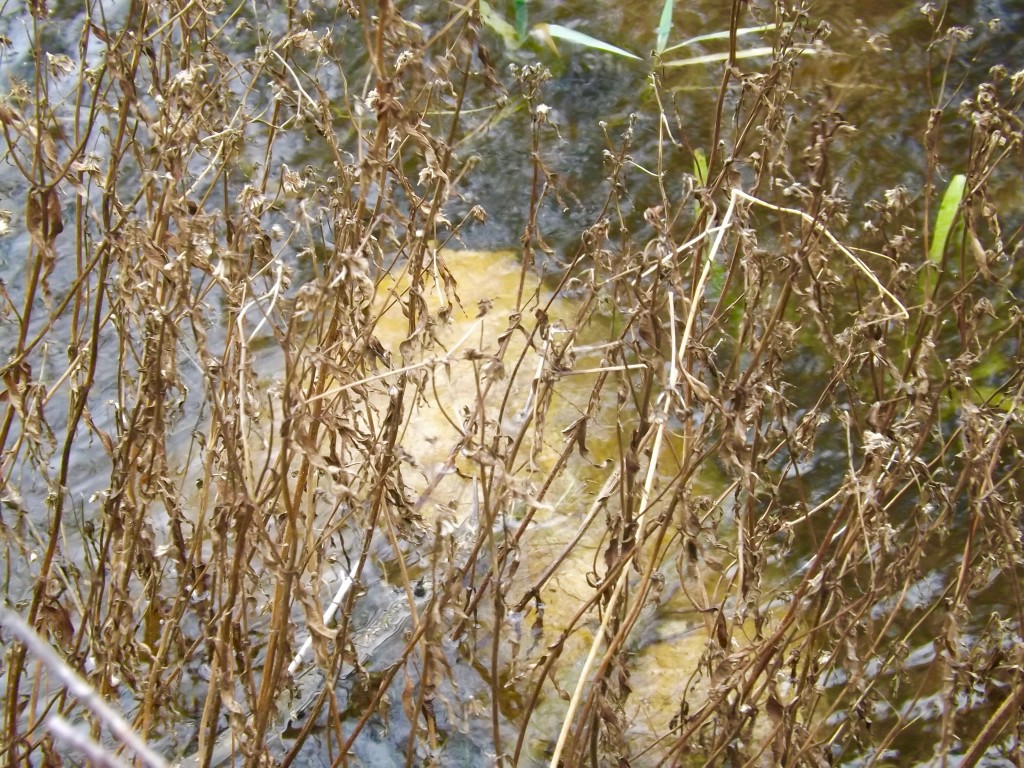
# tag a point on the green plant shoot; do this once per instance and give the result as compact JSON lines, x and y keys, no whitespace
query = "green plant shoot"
{"x":700,"y":167}
{"x":664,"y":26}
{"x":722,"y":35}
{"x":522,"y":19}
{"x":946,"y":216}
{"x":549,"y":31}
{"x":716,"y":278}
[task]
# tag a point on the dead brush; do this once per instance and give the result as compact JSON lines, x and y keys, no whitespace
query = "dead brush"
{"x":714,"y":415}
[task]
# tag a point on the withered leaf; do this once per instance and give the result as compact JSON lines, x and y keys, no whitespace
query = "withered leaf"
{"x":54,"y":621}
{"x":10,"y":116}
{"x":578,"y":431}
{"x":100,"y":33}
{"x":43,"y":217}
{"x":981,"y":257}
{"x":450,"y":283}
{"x":50,"y":159}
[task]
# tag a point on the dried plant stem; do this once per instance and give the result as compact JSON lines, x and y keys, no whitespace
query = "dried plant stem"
{"x":645,"y":496}
{"x":1010,"y":708}
{"x":231,"y":372}
{"x":822,"y":229}
{"x":332,"y":609}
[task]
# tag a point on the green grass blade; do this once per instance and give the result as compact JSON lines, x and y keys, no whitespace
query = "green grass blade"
{"x":664,"y":26}
{"x":700,"y":167}
{"x":723,"y":35}
{"x":522,"y":19}
{"x":711,"y":58}
{"x":946,"y":216}
{"x":579,"y":38}
{"x":750,"y":53}
{"x":718,"y":271}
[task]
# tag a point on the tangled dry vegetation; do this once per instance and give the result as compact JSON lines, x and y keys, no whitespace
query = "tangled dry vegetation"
{"x":239,"y":308}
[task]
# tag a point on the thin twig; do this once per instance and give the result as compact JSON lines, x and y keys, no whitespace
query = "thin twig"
{"x":79,"y":688}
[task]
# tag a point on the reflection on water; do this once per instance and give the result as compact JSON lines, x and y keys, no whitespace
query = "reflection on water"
{"x":673,"y":637}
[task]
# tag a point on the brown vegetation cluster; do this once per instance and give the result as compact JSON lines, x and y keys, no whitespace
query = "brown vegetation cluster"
{"x":813,"y":448}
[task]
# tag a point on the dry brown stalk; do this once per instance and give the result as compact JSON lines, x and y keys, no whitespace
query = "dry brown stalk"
{"x":720,"y":465}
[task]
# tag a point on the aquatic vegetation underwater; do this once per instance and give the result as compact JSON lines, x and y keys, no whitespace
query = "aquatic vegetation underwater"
{"x":382,"y":385}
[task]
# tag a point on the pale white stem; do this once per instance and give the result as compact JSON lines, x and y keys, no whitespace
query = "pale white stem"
{"x":819,"y":227}
{"x":273,"y":293}
{"x":295,"y":77}
{"x":620,"y":583}
{"x":339,"y":596}
{"x":65,"y":733}
{"x":604,"y":369}
{"x":397,"y":371}
{"x":78,"y":687}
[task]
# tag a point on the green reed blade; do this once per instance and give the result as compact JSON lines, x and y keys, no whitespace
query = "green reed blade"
{"x":750,"y":53}
{"x":723,"y":35}
{"x":664,"y":26}
{"x":522,"y":19}
{"x":572,"y":36}
{"x":946,"y":216}
{"x":700,"y":167}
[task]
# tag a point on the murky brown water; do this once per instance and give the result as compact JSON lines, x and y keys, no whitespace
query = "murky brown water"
{"x":675,"y":635}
